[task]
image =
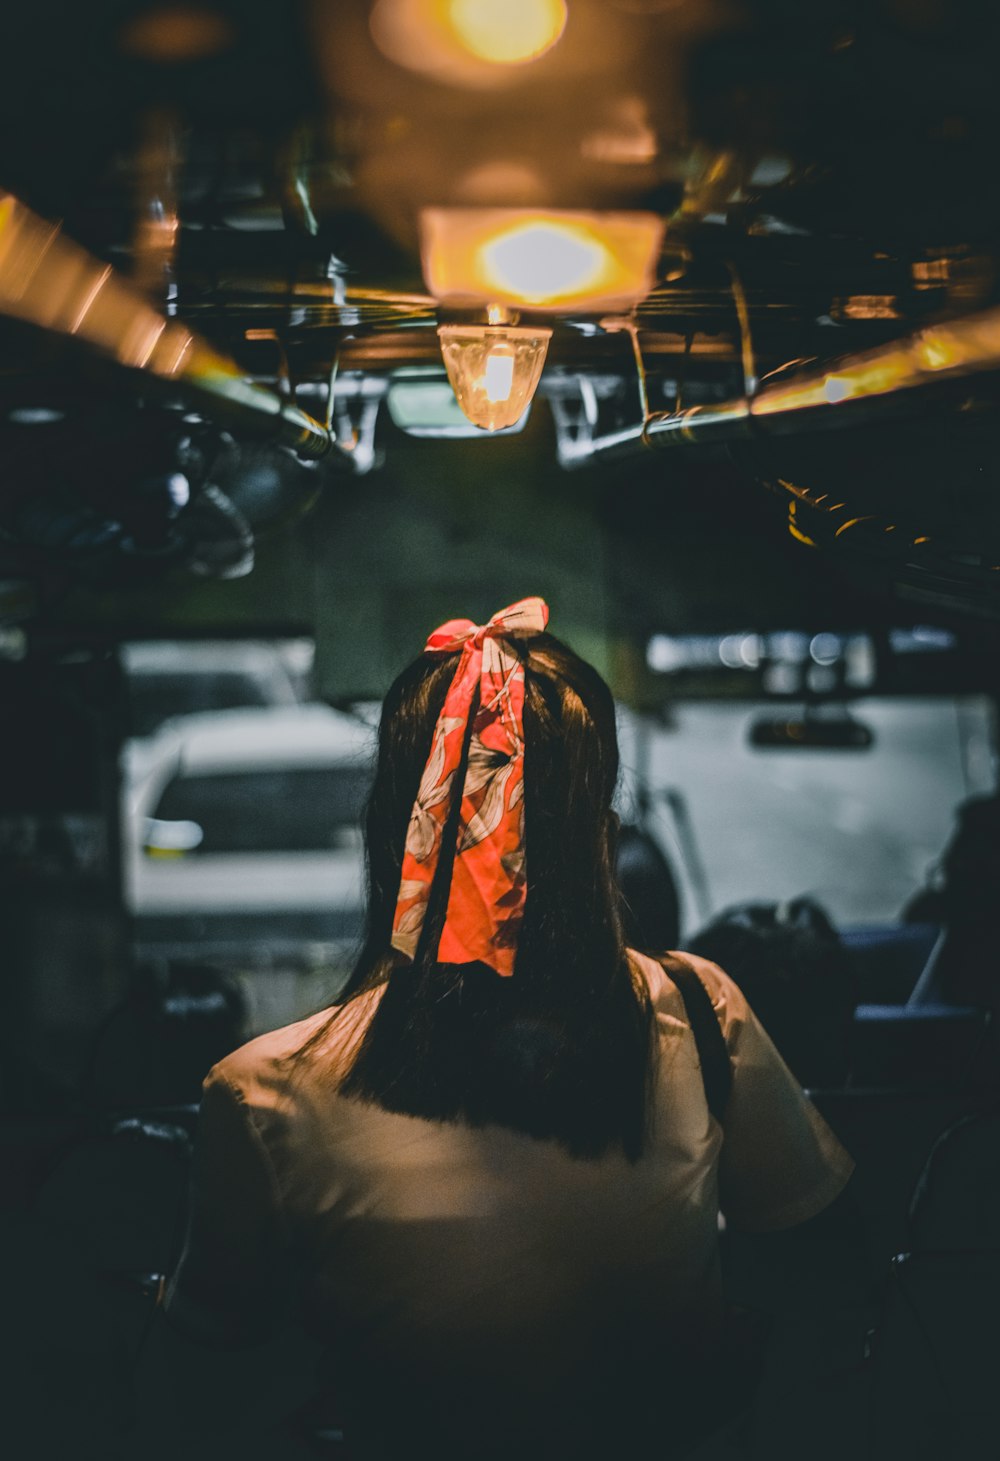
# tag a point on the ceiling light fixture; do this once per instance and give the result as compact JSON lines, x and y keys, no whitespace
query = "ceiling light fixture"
{"x":510,"y":260}
{"x":494,"y":368}
{"x":554,"y":260}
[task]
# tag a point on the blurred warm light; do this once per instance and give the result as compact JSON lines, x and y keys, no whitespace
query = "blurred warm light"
{"x":174,"y":33}
{"x":466,"y":41}
{"x":936,"y":352}
{"x":50,"y":281}
{"x":543,"y":261}
{"x":501,"y":183}
{"x":539,"y":260}
{"x":625,"y":138}
{"x":961,"y":347}
{"x":493,"y":370}
{"x":508,"y":32}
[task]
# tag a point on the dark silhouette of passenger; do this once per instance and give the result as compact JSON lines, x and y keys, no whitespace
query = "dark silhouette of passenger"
{"x":789,"y":962}
{"x":153,"y":1049}
{"x":962,"y":897}
{"x":650,"y":905}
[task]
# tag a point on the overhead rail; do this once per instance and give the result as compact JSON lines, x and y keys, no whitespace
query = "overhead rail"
{"x":51,"y":281}
{"x":841,"y":393}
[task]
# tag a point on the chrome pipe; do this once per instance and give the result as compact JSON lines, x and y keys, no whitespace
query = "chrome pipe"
{"x":864,"y":386}
{"x":50,"y":281}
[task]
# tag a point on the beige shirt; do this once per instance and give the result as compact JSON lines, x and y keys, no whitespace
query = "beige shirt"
{"x":444,"y":1250}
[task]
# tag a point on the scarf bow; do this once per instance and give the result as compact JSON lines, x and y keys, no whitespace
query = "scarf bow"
{"x":488,"y":879}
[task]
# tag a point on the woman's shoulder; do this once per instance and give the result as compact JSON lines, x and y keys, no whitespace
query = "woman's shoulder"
{"x":264,"y":1064}
{"x":292,"y":1050}
{"x":273,"y":1045}
{"x":727,"y":999}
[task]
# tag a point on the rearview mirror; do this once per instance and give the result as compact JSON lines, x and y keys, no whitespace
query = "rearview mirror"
{"x":811,"y":733}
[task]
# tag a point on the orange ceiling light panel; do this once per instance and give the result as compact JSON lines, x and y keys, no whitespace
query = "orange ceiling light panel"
{"x":554,"y":261}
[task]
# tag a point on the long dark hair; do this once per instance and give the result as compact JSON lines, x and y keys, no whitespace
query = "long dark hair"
{"x":562,"y":1050}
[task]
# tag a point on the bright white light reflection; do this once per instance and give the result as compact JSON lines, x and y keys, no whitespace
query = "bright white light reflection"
{"x":664,"y":654}
{"x":750,"y":651}
{"x":729,"y":651}
{"x":498,"y":378}
{"x":543,"y":261}
{"x":35,"y":415}
{"x":788,"y":645}
{"x":825,"y":648}
{"x":178,"y":489}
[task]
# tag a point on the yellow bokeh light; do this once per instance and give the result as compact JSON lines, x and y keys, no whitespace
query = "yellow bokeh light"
{"x":507,"y":32}
{"x":934,"y":351}
{"x":175,"y":33}
{"x":467,"y":42}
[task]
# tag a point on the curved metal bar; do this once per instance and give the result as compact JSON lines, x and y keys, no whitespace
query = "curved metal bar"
{"x":840,"y":394}
{"x":750,"y":381}
{"x":50,"y":281}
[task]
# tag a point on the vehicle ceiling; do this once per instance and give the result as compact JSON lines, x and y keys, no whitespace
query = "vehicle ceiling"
{"x":826,"y":174}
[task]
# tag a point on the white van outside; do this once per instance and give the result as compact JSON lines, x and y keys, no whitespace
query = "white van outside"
{"x":242,"y":839}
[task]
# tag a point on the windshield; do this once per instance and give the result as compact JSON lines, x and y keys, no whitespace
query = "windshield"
{"x":860,"y":831}
{"x":297,"y":809}
{"x":153,"y":698}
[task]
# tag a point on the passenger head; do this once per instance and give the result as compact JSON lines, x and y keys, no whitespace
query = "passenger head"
{"x":962,"y":896}
{"x":570,"y":773}
{"x":560,"y":1049}
{"x":789,"y":962}
{"x":650,"y":902}
{"x":970,"y":864}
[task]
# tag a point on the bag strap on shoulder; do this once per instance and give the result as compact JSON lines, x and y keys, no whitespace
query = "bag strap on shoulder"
{"x":716,"y":1071}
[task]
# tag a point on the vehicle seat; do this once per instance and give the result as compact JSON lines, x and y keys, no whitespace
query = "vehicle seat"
{"x":887,"y":959}
{"x":935,"y":1359}
{"x":918,"y":1045}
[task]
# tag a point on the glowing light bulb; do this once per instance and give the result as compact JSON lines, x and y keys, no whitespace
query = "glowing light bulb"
{"x":498,"y":377}
{"x":507,"y":32}
{"x":493,"y":369}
